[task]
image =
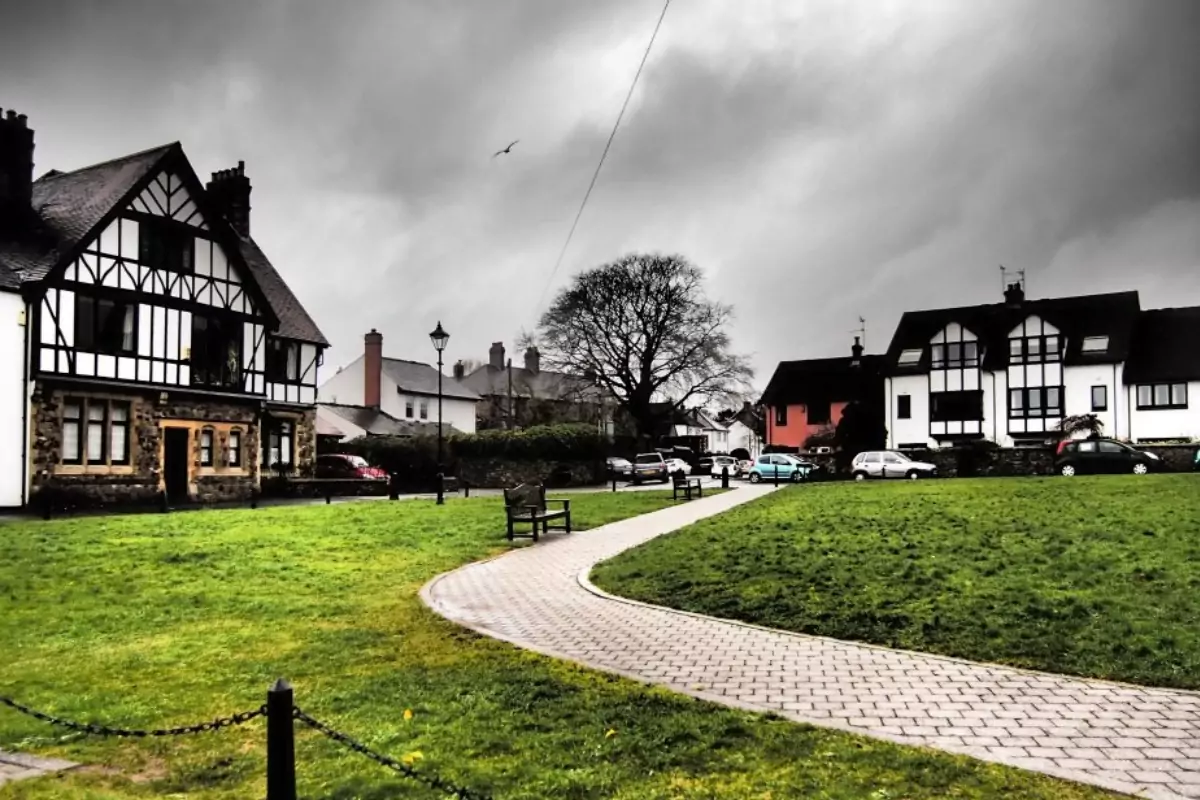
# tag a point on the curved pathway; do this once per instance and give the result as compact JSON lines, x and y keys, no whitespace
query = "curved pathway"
{"x":1128,"y":738}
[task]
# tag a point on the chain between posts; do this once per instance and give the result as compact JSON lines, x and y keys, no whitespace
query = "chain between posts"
{"x":105,"y":730}
{"x":432,"y":781}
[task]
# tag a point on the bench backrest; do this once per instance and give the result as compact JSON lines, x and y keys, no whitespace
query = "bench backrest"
{"x":678,"y":478}
{"x":524,"y":495}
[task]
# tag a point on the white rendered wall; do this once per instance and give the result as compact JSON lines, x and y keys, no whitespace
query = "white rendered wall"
{"x":12,"y":399}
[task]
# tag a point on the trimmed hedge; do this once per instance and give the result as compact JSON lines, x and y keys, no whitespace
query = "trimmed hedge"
{"x":414,"y":459}
{"x":570,"y":442}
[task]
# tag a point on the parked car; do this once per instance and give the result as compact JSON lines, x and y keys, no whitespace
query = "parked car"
{"x":720,"y":463}
{"x":342,"y":465}
{"x":744,"y":467}
{"x":785,"y":467}
{"x":650,"y":467}
{"x":889,"y":464}
{"x":1196,"y":461}
{"x":678,"y":465}
{"x":620,"y":467}
{"x":1097,"y":456}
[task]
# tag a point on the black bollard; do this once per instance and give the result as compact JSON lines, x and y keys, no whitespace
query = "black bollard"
{"x":725,"y":477}
{"x":466,"y":490}
{"x":281,"y":743}
{"x":393,"y":494}
{"x":441,"y":488}
{"x":775,"y":469}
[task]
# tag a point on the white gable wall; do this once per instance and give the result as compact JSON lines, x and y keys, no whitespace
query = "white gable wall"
{"x":12,"y":399}
{"x":345,"y":387}
{"x":916,"y":428}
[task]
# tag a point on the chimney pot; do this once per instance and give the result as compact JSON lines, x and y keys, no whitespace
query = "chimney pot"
{"x":1014,"y":295}
{"x":229,"y":191}
{"x":459,"y":370}
{"x":496,"y":355}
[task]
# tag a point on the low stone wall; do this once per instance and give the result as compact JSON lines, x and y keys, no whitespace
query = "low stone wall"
{"x":997,"y":462}
{"x":498,"y":473}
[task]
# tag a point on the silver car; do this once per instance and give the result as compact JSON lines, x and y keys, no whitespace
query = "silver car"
{"x":889,"y":464}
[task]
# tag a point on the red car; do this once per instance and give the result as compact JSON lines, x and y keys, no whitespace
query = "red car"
{"x":341,"y":465}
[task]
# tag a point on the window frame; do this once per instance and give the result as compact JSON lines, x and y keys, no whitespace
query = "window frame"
{"x":781,"y":416}
{"x":1083,"y":344}
{"x":954,"y":355}
{"x":934,"y":416}
{"x":93,"y":342}
{"x":410,"y":407}
{"x":904,"y":406}
{"x":282,"y":361}
{"x":233,"y":448}
{"x":909,"y":357}
{"x":1044,"y":410}
{"x":1020,"y":349}
{"x":824,"y":409}
{"x":199,"y":357}
{"x":176,"y":246}
{"x":1172,"y":404}
{"x":84,"y":423}
{"x":206,"y":448}
{"x":1103,"y":404}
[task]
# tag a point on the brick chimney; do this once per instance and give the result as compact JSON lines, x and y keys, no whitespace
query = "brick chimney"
{"x":229,"y":191}
{"x":16,"y":169}
{"x":460,"y":371}
{"x":533,"y":360}
{"x":496,"y":355}
{"x":372,"y":368}
{"x":856,"y":349}
{"x":1014,"y":295}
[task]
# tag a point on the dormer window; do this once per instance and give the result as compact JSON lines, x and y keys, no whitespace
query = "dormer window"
{"x":909,"y":357}
{"x":1094,"y":344}
{"x":1035,"y":349}
{"x":954,"y":355}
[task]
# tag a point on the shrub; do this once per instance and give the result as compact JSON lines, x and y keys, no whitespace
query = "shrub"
{"x":571,"y":442}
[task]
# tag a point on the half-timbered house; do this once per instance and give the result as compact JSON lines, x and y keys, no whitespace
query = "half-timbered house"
{"x":154,"y":345}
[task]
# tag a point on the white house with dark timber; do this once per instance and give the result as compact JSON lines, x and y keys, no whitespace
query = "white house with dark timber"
{"x":147,"y":344}
{"x":1010,"y":372}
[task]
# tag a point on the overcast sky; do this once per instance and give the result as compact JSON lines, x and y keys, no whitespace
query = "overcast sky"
{"x":819,"y":159}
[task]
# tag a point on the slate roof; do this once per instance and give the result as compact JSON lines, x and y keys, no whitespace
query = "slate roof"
{"x":543,"y":384}
{"x":379,"y":423}
{"x":420,"y":378}
{"x":1166,"y":346}
{"x":69,"y":205}
{"x":832,"y":379}
{"x":1113,"y":315}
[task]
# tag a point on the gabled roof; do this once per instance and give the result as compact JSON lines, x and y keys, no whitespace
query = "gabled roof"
{"x":69,"y":206}
{"x":420,"y":378}
{"x":824,"y":379}
{"x":543,"y":384}
{"x":1112,"y":315}
{"x":1166,"y":346}
{"x":379,"y":423}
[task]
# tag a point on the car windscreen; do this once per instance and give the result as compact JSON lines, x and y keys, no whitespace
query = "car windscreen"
{"x":652,"y":458}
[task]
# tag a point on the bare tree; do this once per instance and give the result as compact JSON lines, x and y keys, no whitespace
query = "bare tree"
{"x":642,"y":328}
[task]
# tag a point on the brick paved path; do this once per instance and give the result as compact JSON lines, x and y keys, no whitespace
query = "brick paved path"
{"x":14,"y":766}
{"x":1137,"y":740}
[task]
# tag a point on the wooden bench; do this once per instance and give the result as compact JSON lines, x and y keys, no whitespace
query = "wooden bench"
{"x":527,"y":504}
{"x":682,"y":484}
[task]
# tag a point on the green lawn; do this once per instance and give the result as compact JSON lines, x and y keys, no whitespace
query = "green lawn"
{"x":165,"y":620}
{"x":1096,"y":576}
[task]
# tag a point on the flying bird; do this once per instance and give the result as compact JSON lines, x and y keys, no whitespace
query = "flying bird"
{"x":505,"y":150}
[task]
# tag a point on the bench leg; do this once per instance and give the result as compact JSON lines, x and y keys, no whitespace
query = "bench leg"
{"x":510,"y":529}
{"x":535,"y":530}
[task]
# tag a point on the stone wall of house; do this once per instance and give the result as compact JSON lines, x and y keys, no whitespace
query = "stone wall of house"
{"x":492,"y":473}
{"x":141,"y":481}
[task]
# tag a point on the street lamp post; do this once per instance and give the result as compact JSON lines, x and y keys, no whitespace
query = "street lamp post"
{"x":439,"y":337}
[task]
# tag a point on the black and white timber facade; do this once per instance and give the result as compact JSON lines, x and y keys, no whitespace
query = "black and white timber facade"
{"x":157,"y":347}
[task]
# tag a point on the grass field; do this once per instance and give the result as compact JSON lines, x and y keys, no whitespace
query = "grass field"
{"x":1096,"y":576}
{"x":172,"y":619}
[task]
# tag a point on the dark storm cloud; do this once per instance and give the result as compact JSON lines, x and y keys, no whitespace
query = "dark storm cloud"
{"x":820,"y":160}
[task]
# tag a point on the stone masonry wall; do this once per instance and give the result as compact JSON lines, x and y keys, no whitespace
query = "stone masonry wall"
{"x":140,"y":482}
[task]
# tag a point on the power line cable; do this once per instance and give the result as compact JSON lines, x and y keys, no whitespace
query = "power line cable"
{"x":603,"y":155}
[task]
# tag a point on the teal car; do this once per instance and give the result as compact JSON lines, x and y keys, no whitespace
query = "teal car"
{"x":1196,"y":461}
{"x":779,"y":467}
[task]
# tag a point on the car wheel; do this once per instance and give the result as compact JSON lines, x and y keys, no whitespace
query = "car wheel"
{"x":1140,"y":469}
{"x":860,"y":476}
{"x":913,"y":475}
{"x":797,"y":476}
{"x":755,"y":477}
{"x":1067,"y":470}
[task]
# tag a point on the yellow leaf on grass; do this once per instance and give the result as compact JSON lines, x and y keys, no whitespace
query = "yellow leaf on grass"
{"x":409,"y":758}
{"x":407,"y":714}
{"x":610,"y":733}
